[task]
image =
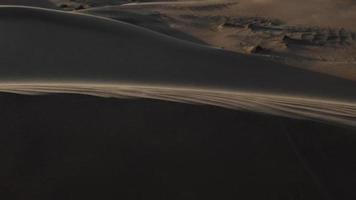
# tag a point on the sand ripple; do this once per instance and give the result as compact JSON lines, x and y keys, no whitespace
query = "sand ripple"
{"x":329,"y":111}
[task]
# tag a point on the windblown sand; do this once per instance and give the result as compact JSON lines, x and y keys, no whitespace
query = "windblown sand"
{"x":82,"y":147}
{"x":317,"y":35}
{"x":140,"y":101}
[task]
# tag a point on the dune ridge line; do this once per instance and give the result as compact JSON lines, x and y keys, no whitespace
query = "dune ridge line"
{"x":118,"y":52}
{"x":324,"y":110}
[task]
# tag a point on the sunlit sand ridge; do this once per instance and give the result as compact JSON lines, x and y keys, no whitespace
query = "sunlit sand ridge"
{"x":338,"y":112}
{"x":128,"y":101}
{"x":96,"y":50}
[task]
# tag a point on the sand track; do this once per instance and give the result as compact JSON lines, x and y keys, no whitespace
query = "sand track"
{"x":329,"y":111}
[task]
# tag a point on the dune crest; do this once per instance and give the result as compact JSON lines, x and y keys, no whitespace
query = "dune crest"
{"x":72,"y":48}
{"x":77,"y":47}
{"x":338,"y":112}
{"x":125,"y":102}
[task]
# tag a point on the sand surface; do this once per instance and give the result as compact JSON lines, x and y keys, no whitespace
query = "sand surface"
{"x":333,"y":112}
{"x":314,"y":35}
{"x":97,"y":50}
{"x":37,"y":3}
{"x":120,"y":100}
{"x":82,"y":147}
{"x":88,"y":48}
{"x":317,"y":35}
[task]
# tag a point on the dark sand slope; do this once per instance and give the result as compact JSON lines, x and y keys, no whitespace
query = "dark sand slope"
{"x":317,"y":35}
{"x":81,"y":4}
{"x":60,"y":46}
{"x":36,"y":3}
{"x":70,"y":146}
{"x":81,"y":147}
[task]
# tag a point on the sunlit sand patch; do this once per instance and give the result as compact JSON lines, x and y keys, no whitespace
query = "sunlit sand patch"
{"x":325,"y":110}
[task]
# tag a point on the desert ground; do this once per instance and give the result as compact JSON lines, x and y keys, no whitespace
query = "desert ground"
{"x":209,"y":99}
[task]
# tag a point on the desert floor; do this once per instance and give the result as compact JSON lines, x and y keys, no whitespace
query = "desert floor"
{"x":178,"y":99}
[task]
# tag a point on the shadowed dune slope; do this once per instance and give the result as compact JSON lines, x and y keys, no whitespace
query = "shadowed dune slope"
{"x":36,"y":3}
{"x":61,"y":46}
{"x":82,"y":147}
{"x":71,"y":146}
{"x":317,"y":35}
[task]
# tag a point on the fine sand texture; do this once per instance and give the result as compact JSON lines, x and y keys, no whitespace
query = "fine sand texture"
{"x":59,"y":46}
{"x":82,"y":147}
{"x":317,"y":35}
{"x":315,"y":109}
{"x":127,"y":101}
{"x":64,"y":48}
{"x":36,"y":3}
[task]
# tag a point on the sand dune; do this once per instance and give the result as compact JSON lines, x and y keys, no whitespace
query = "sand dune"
{"x":334,"y":112}
{"x":37,"y":3}
{"x":59,"y":46}
{"x":299,"y":35}
{"x":57,"y":52}
{"x":107,"y":110}
{"x":83,"y":4}
{"x":295,"y":33}
{"x":81,"y":147}
{"x":328,"y":13}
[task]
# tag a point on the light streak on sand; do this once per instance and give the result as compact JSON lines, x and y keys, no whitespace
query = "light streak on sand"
{"x":316,"y":109}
